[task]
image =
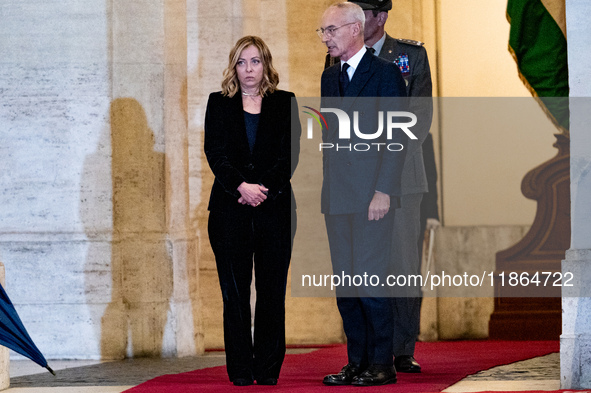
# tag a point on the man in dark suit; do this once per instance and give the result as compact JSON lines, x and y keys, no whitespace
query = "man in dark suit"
{"x":359,"y":194}
{"x":411,"y":57}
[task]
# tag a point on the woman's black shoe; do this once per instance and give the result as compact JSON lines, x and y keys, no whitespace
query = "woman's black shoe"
{"x":267,"y":381}
{"x":242,"y":382}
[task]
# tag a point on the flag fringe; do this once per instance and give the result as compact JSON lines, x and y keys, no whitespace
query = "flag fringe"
{"x":564,"y":131}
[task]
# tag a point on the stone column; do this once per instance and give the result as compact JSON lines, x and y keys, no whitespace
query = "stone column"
{"x":155,"y":305}
{"x":575,"y":342}
{"x":4,"y":360}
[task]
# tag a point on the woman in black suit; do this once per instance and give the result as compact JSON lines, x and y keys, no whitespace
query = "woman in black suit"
{"x":252,"y":146}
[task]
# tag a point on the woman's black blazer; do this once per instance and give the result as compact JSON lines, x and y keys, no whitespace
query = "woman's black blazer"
{"x":274,"y":156}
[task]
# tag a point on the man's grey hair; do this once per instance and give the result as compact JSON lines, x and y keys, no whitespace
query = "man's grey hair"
{"x":353,"y":12}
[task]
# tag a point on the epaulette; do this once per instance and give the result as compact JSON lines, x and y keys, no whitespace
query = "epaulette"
{"x":410,"y":42}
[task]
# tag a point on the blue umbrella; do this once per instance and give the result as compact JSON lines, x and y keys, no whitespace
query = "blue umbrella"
{"x":13,"y":334}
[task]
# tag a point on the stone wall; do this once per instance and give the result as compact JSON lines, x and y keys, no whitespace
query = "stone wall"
{"x":95,"y":225}
{"x":460,"y":250}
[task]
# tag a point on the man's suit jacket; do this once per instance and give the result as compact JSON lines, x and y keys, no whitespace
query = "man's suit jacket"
{"x":352,"y":177}
{"x":271,"y":163}
{"x":417,"y":78}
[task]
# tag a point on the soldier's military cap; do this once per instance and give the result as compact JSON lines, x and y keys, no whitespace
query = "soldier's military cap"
{"x":378,"y":5}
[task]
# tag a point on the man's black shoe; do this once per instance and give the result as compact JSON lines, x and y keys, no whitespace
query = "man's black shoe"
{"x":344,"y":377}
{"x":407,"y":364}
{"x":375,"y":375}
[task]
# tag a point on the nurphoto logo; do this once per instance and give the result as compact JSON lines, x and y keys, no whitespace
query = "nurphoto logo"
{"x":393,"y":122}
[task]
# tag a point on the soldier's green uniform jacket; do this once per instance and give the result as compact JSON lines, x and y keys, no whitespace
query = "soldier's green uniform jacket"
{"x":411,"y":58}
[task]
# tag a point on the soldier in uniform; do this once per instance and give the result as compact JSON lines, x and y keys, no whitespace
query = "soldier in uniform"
{"x":411,"y":58}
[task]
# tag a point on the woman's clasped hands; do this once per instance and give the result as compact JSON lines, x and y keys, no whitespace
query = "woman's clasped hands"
{"x":252,"y":194}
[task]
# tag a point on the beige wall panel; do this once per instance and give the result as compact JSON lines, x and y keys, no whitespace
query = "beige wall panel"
{"x":213,"y":327}
{"x":482,"y":171}
{"x":488,"y":145}
{"x":306,"y":50}
{"x":475,"y":61}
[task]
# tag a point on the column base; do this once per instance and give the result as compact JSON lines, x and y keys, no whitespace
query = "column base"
{"x":575,"y":342}
{"x":575,"y":361}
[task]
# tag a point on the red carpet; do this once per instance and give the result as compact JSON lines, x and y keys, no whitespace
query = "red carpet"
{"x":444,"y":363}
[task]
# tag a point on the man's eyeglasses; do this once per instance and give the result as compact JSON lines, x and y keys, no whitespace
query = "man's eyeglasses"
{"x":329,"y":31}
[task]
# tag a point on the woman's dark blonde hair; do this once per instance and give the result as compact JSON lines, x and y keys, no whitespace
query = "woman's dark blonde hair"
{"x":231,"y":85}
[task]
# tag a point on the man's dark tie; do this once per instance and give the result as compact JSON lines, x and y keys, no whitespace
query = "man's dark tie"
{"x":344,"y":79}
{"x":372,"y":50}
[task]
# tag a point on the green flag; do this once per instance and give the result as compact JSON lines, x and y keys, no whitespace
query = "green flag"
{"x":538,"y":43}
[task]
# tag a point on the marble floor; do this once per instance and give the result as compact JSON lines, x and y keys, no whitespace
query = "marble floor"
{"x":79,"y":376}
{"x":541,"y":373}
